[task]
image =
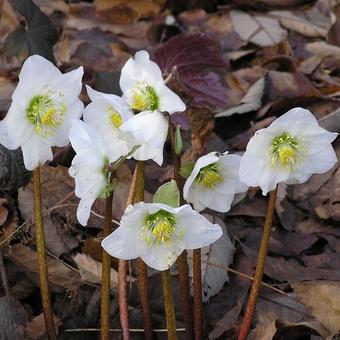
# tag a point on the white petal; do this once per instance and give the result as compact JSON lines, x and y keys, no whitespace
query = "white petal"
{"x":15,"y":128}
{"x":61,"y":135}
{"x":123,"y":243}
{"x":69,"y":86}
{"x":201,"y":162}
{"x":84,"y":209}
{"x":164,"y":256}
{"x":169,"y":101}
{"x":149,"y":130}
{"x":36,"y":152}
{"x":84,"y":137}
{"x":199,"y":232}
{"x":35,"y":73}
{"x":140,"y":69}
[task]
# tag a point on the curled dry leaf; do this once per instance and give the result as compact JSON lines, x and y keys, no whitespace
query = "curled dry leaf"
{"x":60,"y":275}
{"x":326,"y":202}
{"x":250,"y":102}
{"x":261,"y":30}
{"x":36,"y":328}
{"x":323,"y":300}
{"x":91,"y":270}
{"x":314,"y":22}
{"x":215,"y":261}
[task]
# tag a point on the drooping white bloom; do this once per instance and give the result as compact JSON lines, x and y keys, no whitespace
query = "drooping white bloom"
{"x":149,"y":130}
{"x":159,"y":233}
{"x":89,"y":167}
{"x":106,"y":113}
{"x":214,"y":181}
{"x":44,"y":103}
{"x":143,"y":86}
{"x":290,"y":150}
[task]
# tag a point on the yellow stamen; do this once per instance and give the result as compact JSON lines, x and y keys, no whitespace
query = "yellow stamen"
{"x":209,"y":176}
{"x":115,"y":117}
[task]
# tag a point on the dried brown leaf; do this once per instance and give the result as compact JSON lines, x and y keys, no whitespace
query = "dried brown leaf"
{"x":60,"y":275}
{"x":36,"y":328}
{"x":323,"y":300}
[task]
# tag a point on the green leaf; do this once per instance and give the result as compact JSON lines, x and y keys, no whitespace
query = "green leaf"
{"x":167,"y":193}
{"x":186,"y":169}
{"x":178,"y":140}
{"x":38,"y":37}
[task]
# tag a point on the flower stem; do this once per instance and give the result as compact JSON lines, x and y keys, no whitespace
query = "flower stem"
{"x":197,"y":279}
{"x":41,"y":250}
{"x":246,"y":323}
{"x":141,"y":266}
{"x":182,"y":259}
{"x":106,"y":274}
{"x":122,"y":269}
{"x":169,"y":306}
{"x":122,"y":299}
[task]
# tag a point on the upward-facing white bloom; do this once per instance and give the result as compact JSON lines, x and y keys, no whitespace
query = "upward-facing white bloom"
{"x":143,"y":86}
{"x":159,"y":233}
{"x":107,"y":113}
{"x":214,"y":181}
{"x":44,"y":103}
{"x":89,"y":167}
{"x":149,"y":130}
{"x":290,"y":150}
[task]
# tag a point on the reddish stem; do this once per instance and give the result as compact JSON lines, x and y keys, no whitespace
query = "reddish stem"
{"x":261,"y":260}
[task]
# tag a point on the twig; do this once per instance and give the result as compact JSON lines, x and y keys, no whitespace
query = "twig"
{"x":122,"y":269}
{"x":141,"y":266}
{"x":106,"y":273}
{"x":182,"y":259}
{"x":245,"y":326}
{"x":41,"y":250}
{"x":132,"y":330}
{"x":169,"y":306}
{"x":197,"y":281}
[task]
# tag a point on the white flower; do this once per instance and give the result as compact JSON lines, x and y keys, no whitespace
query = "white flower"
{"x":159,"y":233}
{"x":106,"y":113}
{"x":143,"y":86}
{"x":149,"y":130}
{"x":214,"y":182}
{"x":89,"y":167}
{"x":44,"y":103}
{"x":290,"y":150}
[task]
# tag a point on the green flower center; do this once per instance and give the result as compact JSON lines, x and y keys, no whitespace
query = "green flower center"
{"x":145,"y":98}
{"x":45,"y":115}
{"x":158,"y":228}
{"x":115,"y":117}
{"x":209,"y":176}
{"x":284,"y":150}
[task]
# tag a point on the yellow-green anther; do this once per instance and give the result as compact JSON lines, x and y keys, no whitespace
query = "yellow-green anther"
{"x":145,"y":98}
{"x":44,"y":115}
{"x":284,"y":150}
{"x":115,"y":117}
{"x":209,"y":176}
{"x":158,"y":228}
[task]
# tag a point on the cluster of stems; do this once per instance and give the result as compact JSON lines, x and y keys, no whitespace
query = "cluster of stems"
{"x":136,"y":194}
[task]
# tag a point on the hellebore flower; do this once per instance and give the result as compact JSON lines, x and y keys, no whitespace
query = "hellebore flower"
{"x":106,"y":113}
{"x":143,"y":86}
{"x":44,"y":103}
{"x":159,"y":233}
{"x":290,"y":150}
{"x":213,"y":182}
{"x":89,"y":167}
{"x":149,"y":130}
